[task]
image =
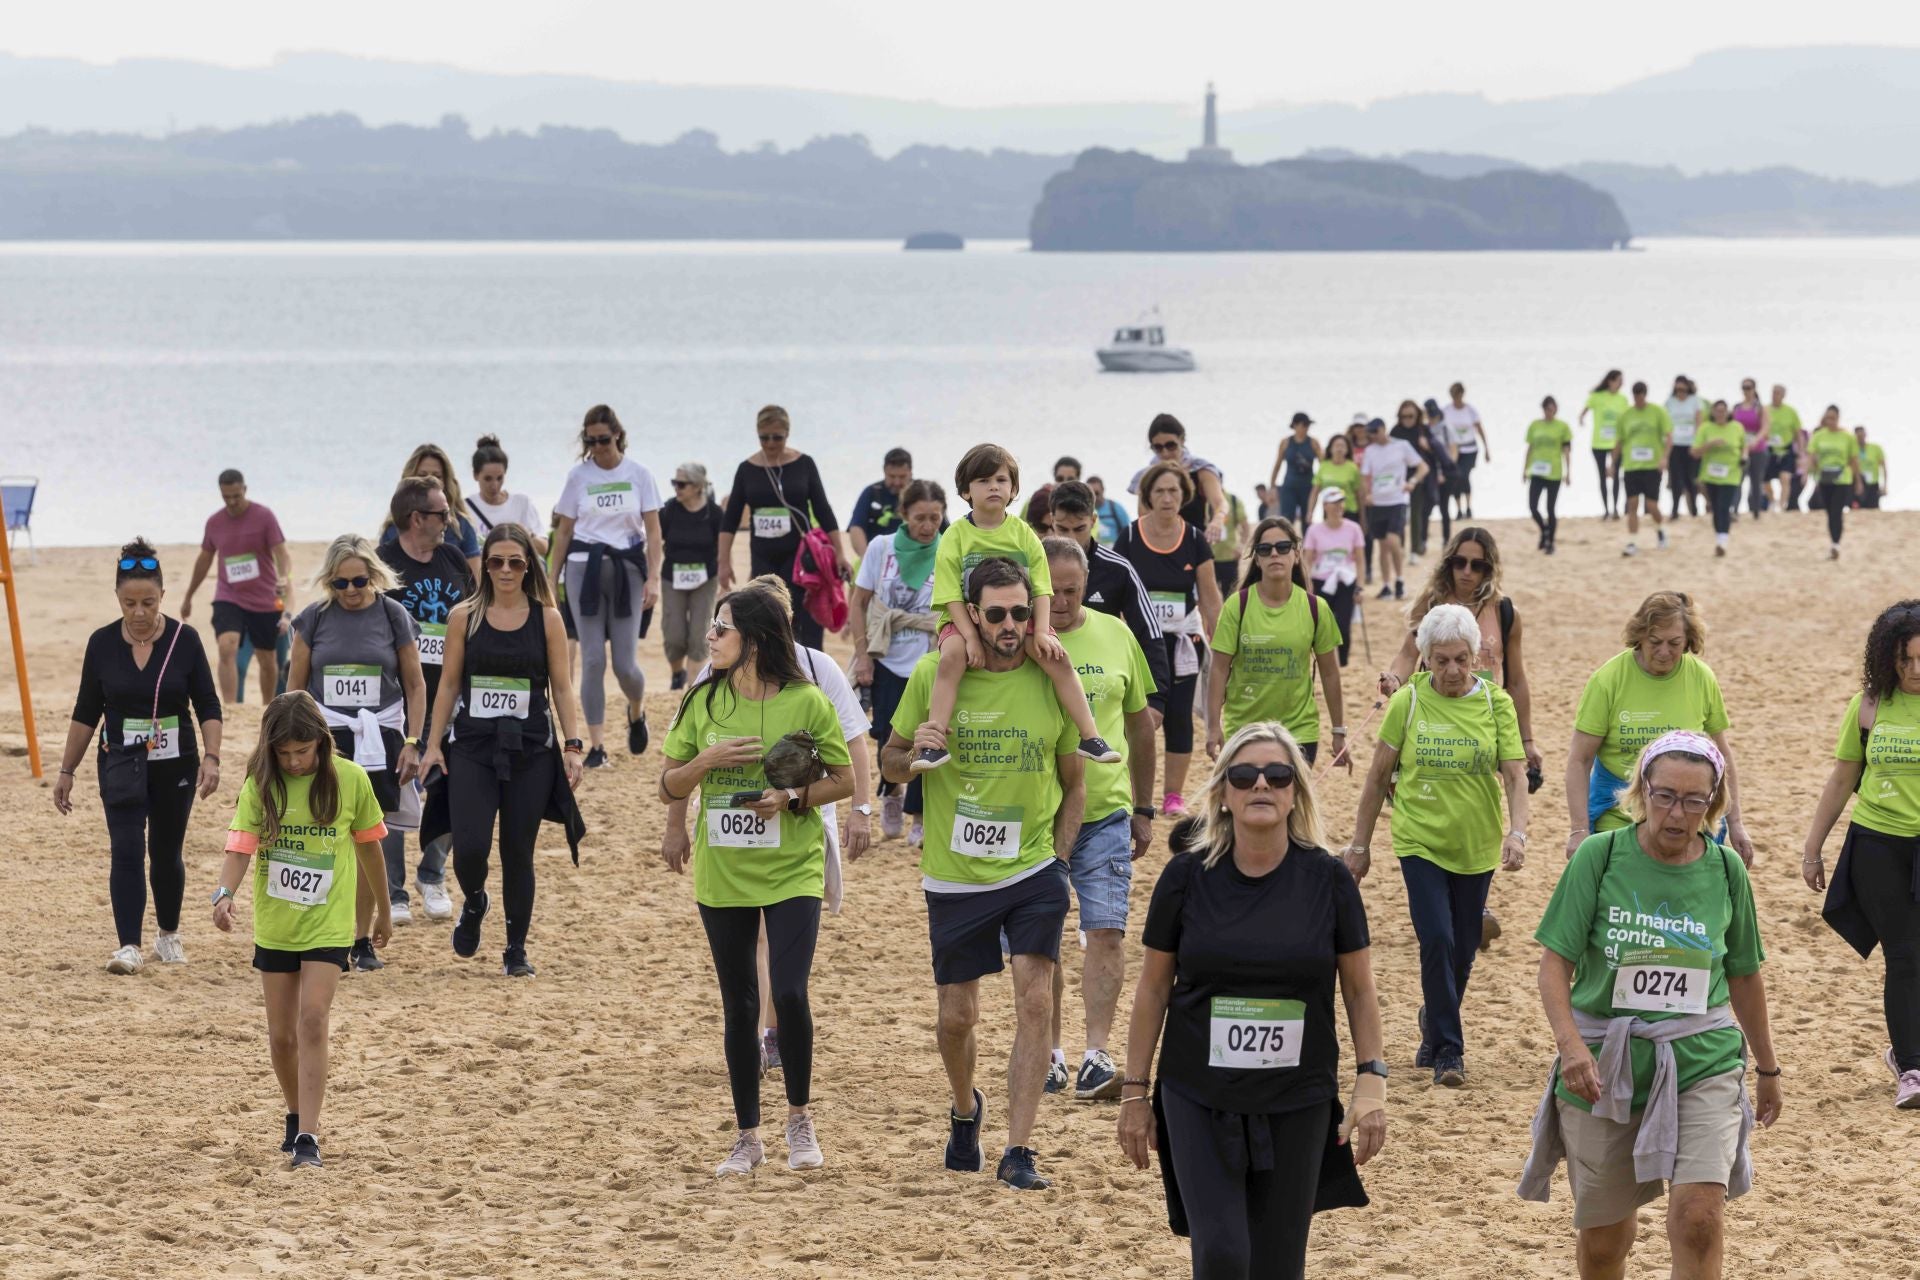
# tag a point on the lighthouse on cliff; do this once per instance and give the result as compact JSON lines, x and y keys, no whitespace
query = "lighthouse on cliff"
{"x":1210,"y":151}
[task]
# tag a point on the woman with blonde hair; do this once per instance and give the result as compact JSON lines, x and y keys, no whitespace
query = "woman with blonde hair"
{"x":1245,"y":938}
{"x":356,"y":650}
{"x":432,"y":461}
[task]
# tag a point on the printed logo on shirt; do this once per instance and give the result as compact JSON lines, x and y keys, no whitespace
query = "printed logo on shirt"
{"x":1658,"y":927}
{"x":1639,"y":717}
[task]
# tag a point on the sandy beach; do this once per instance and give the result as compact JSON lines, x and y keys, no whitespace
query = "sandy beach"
{"x":569,"y":1125}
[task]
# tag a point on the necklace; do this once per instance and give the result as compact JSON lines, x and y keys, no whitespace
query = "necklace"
{"x":127,"y":633}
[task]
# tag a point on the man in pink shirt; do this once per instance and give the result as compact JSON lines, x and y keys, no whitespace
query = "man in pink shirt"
{"x":253,"y":591}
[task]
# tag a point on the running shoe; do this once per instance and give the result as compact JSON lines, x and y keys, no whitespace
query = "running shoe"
{"x":363,"y":957}
{"x":917,"y":833}
{"x":434,"y":898}
{"x":1098,"y":1078}
{"x":126,"y":960}
{"x":1450,"y":1071}
{"x":306,"y":1152}
{"x":596,"y":759}
{"x":769,"y":1050}
{"x":893,"y":814}
{"x":637,"y":735}
{"x":1386,"y":592}
{"x":167,"y":949}
{"x":1489,"y":927}
{"x":1833,"y":553}
{"x":513,"y":963}
{"x":1720,"y":552}
{"x":400,"y":912}
{"x":747,"y":1155}
{"x":1423,"y":1056}
{"x":803,"y":1148}
{"x":679,"y":681}
{"x":929,"y":758}
{"x":466,"y":934}
{"x":1399,"y":589}
{"x":1097,"y":750}
{"x":1660,"y":539}
{"x":1057,"y":1077}
{"x":1174,"y":806}
{"x":1017,"y":1171}
{"x":1906,"y":1094}
{"x":293,"y":1131}
{"x":963,"y":1137}
{"x":1893,"y":1064}
{"x":1630,"y":550}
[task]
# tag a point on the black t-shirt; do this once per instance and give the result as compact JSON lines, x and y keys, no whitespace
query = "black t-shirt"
{"x":1175,"y":570}
{"x":876,"y":510}
{"x":793,"y":487}
{"x":690,"y":537}
{"x":112,"y":686}
{"x":1238,"y":938}
{"x":428,"y":590}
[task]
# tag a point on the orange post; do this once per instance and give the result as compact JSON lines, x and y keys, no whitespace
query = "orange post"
{"x":19,"y":644}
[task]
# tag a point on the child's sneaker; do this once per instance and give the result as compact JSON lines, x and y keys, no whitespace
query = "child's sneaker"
{"x":929,"y":758}
{"x":1097,"y":750}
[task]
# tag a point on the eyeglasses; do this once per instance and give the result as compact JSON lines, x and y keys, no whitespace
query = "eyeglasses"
{"x":594,"y":442}
{"x":999,"y":613}
{"x":719,"y":627}
{"x":341,"y":584}
{"x":1261,"y":550}
{"x":139,"y":562}
{"x":1461,"y":563}
{"x":507,"y":564}
{"x":1164,"y":446}
{"x":1661,"y":798}
{"x":1241,"y":777}
{"x":772,"y":439}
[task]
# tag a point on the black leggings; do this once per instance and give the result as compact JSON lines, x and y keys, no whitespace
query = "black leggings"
{"x":806,"y":631}
{"x":1726,"y":500}
{"x":1245,"y":1223}
{"x":1880,"y":868}
{"x":145,"y":840}
{"x":1683,"y":477}
{"x":1177,"y":727}
{"x":1600,"y":459}
{"x":1340,"y":598}
{"x":1836,"y":497}
{"x":733,"y":935}
{"x":475,"y":794}
{"x":1536,"y":488}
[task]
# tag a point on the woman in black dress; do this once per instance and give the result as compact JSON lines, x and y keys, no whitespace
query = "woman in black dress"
{"x":780,"y":489}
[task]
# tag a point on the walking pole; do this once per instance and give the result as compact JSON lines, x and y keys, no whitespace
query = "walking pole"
{"x":19,"y":645}
{"x":1359,"y":607}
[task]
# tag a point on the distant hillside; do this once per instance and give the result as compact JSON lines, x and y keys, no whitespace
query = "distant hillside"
{"x":1127,"y":201}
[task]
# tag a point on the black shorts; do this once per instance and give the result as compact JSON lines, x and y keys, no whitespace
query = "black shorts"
{"x":1382,"y":521}
{"x":269,"y":960}
{"x":1780,"y":464}
{"x":566,"y":619}
{"x":965,"y":928}
{"x":1642,"y":484}
{"x":261,"y":628}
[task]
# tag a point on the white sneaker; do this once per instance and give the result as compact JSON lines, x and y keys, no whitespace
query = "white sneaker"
{"x":167,"y":949}
{"x":401,"y":913}
{"x":916,"y":834}
{"x":1630,"y":550}
{"x":747,"y":1155}
{"x":803,"y":1148}
{"x":125,"y":960}
{"x":892,"y":815}
{"x":1663,"y":539}
{"x":434,"y":897}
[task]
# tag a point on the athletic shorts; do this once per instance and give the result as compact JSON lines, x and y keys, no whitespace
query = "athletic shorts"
{"x":1642,"y":484}
{"x":965,"y":928}
{"x":1382,"y":521}
{"x":269,"y":960}
{"x":1780,"y":464}
{"x":1600,"y":1152}
{"x":261,"y":628}
{"x":1101,"y":868}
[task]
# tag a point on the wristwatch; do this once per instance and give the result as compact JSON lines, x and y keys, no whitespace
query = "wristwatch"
{"x":1374,"y":1068}
{"x":793,"y":800}
{"x":221,"y":892}
{"x":864,"y":810}
{"x":1143,"y":811}
{"x":573,"y":744}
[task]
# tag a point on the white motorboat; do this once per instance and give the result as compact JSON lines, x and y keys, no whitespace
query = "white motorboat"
{"x":1142,"y":348}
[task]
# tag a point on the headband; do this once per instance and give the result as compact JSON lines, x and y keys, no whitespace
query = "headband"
{"x":1686,"y":740}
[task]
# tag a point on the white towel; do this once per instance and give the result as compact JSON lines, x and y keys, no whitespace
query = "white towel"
{"x":369,"y":752}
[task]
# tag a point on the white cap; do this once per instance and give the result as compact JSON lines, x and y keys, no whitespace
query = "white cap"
{"x":1332,"y":493}
{"x":1361,"y":419}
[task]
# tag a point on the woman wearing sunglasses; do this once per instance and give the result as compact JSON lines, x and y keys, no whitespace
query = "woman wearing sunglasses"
{"x":503,"y":672}
{"x":1454,"y":741}
{"x":690,"y":530}
{"x":777,"y":496}
{"x":1245,"y":938}
{"x":1272,"y":635}
{"x":148,"y":677}
{"x":357,"y":651}
{"x":1650,"y":962}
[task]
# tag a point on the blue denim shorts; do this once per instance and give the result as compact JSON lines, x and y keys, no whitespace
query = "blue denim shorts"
{"x":1101,"y":869}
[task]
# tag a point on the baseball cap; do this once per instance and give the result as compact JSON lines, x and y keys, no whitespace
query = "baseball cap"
{"x":1376,"y":424}
{"x":1432,"y":407}
{"x":1302,"y":419}
{"x":1332,"y":493}
{"x":1360,"y":419}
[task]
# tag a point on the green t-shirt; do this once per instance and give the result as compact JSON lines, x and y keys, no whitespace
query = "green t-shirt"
{"x":1652,"y":935}
{"x":966,"y":544}
{"x":1834,"y":453}
{"x":739,"y":858}
{"x":1345,"y":475}
{"x":304,"y":879}
{"x":1273,"y":652}
{"x":1724,"y":458}
{"x":1447,"y":802}
{"x":1545,"y":440}
{"x":990,"y":809}
{"x":1645,"y":434}
{"x":1873,"y":462}
{"x":1627,"y":709}
{"x":1889,"y":799}
{"x":1228,"y":548}
{"x":1783,"y":423}
{"x":1113,"y":671}
{"x":1607,"y":406}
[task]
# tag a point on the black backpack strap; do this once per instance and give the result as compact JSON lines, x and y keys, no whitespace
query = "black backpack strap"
{"x":1506,"y":630}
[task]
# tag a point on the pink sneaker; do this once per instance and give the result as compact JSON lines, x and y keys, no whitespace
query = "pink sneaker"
{"x":1173,"y":806}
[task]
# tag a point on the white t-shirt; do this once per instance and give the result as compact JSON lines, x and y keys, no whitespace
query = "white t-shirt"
{"x":880,"y":574}
{"x":608,"y":507}
{"x":517,"y":509}
{"x":1686,"y":418}
{"x":1461,"y":421}
{"x":1386,"y":467}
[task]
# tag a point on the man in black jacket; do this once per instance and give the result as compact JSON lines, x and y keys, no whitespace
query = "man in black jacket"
{"x":1113,"y":585}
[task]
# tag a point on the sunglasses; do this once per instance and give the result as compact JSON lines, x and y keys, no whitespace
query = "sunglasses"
{"x":513,"y":564}
{"x":438,"y":513}
{"x":341,"y":584}
{"x":685,"y":484}
{"x":719,"y":627}
{"x":1165,"y":446}
{"x":773,"y":439}
{"x":1241,"y":777}
{"x":1461,"y":563}
{"x":1261,"y":550}
{"x":999,"y":613}
{"x":139,"y":562}
{"x":594,"y":442}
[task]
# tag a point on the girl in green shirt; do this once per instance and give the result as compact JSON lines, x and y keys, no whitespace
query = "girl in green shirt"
{"x":1720,"y":446}
{"x":1836,"y":463}
{"x":1606,"y":404}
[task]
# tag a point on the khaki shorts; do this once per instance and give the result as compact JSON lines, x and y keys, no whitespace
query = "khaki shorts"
{"x":1600,"y":1152}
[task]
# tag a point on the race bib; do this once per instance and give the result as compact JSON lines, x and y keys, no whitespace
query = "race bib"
{"x":1663,"y":980}
{"x":1255,"y":1035}
{"x":1640,"y":453}
{"x":243,"y":568}
{"x":612,"y":499}
{"x":986,"y":831}
{"x":1387,"y":483}
{"x":772,"y":522}
{"x":742,"y":829}
{"x":1541,"y":469}
{"x":433,"y":643}
{"x":350,"y":686}
{"x":303,"y":879}
{"x":688,"y":576}
{"x":1169,"y":607}
{"x":500,"y":698}
{"x":164,"y":734}
{"x":1719,"y":470}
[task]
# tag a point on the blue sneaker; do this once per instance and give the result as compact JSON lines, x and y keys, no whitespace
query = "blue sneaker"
{"x":1423,"y":1057}
{"x":963,"y":1137}
{"x":1017,"y":1171}
{"x":1450,"y":1071}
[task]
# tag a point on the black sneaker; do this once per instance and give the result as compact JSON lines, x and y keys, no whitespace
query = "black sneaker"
{"x":963,"y":1137}
{"x":1098,"y":1078}
{"x":929,"y":758}
{"x":513,"y":963}
{"x":1450,"y":1071}
{"x":637,"y":735}
{"x":293,"y":1131}
{"x":1423,"y":1056}
{"x":1057,"y":1077}
{"x":596,"y":758}
{"x":1097,"y":750}
{"x":1399,"y":589}
{"x":1386,"y":592}
{"x":679,"y":681}
{"x":466,"y":934}
{"x":363,"y":957}
{"x":1017,"y":1171}
{"x":306,"y":1151}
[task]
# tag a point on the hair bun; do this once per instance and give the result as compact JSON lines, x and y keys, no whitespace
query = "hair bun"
{"x":138,"y":547}
{"x":487,"y":442}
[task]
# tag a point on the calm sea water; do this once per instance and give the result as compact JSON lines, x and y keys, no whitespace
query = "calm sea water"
{"x":130,"y":375}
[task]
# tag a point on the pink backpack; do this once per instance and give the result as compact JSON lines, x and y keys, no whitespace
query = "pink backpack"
{"x":816,"y":571}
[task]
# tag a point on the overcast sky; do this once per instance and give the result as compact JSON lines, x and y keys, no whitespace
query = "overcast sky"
{"x":988,"y":51}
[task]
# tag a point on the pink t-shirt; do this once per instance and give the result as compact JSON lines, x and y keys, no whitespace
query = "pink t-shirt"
{"x":1335,"y":549}
{"x":242,"y":549}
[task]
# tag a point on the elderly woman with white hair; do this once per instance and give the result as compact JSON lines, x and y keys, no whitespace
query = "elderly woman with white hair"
{"x":1449,"y":745}
{"x":690,"y":532}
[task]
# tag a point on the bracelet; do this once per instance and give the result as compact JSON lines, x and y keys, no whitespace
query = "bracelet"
{"x":1773,"y":1074}
{"x":1340,"y":729}
{"x":1521,"y":836}
{"x":1141,"y":1098}
{"x":1144,"y":811}
{"x":1142,"y":1081}
{"x":66,"y":773}
{"x":1359,"y":848}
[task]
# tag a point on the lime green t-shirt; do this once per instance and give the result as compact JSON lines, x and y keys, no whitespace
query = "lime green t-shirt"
{"x":1834,"y":453}
{"x":1627,"y":709}
{"x":1655,"y":941}
{"x":1889,"y":799}
{"x":1725,"y":452}
{"x":739,"y":858}
{"x":990,"y":809}
{"x":1873,"y":463}
{"x":966,"y":544}
{"x":1546,"y":438}
{"x":1607,"y":406}
{"x":1273,"y":652}
{"x":1344,"y":475}
{"x":1113,"y":671}
{"x":1447,"y":802}
{"x":1783,"y":423}
{"x":1645,"y":434}
{"x":305,"y":877}
{"x":1228,"y":548}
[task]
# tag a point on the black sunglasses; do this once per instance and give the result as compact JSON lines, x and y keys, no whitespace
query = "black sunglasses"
{"x":341,"y":584}
{"x":1261,"y":550}
{"x":594,"y":442}
{"x":1479,"y":566}
{"x":139,"y":562}
{"x":1241,"y":777}
{"x":442,"y":513}
{"x":685,"y":484}
{"x":772,"y":439}
{"x":496,"y":564}
{"x":1164,"y":446}
{"x":999,"y":613}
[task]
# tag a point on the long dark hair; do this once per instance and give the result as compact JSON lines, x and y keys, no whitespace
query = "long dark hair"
{"x":293,"y":717}
{"x":1896,"y":625}
{"x":1611,"y":375}
{"x":138,"y":549}
{"x":766,"y":640}
{"x":1440,"y":585}
{"x":602,"y":416}
{"x":1250,"y":570}
{"x":539,"y":591}
{"x":1339,"y":438}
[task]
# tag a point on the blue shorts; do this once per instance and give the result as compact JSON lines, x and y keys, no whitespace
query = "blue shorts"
{"x":1101,"y":868}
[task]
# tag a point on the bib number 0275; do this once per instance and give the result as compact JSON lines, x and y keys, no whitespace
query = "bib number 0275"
{"x":1254,"y":1034}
